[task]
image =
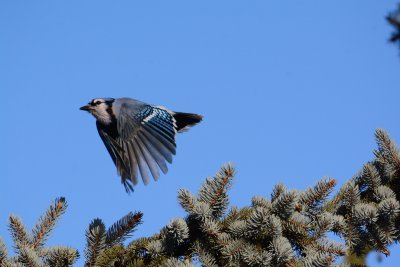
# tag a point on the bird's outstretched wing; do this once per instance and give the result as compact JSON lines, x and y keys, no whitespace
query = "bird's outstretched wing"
{"x":117,"y":154}
{"x":146,"y":141}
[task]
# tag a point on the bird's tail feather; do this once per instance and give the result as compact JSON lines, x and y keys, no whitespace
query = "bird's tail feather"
{"x":186,"y":120}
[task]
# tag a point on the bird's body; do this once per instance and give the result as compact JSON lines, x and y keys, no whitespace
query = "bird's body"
{"x":138,"y":136}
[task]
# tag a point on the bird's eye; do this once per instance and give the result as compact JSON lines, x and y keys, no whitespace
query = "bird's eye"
{"x":97,"y":102}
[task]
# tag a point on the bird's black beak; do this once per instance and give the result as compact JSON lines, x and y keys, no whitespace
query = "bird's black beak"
{"x":87,"y":108}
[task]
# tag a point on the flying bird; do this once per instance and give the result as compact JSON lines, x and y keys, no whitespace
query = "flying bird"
{"x":139,"y":137}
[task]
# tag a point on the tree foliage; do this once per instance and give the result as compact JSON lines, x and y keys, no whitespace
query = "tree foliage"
{"x":30,"y":247}
{"x":290,"y":228}
{"x":99,"y":240}
{"x":394,"y":19}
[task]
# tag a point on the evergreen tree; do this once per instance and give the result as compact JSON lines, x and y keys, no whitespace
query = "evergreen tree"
{"x":394,"y":19}
{"x":29,"y":245}
{"x":290,"y":228}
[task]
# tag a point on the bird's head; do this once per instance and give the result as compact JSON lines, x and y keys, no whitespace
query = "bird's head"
{"x":101,"y":109}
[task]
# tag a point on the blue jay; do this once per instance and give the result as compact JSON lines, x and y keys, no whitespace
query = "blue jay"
{"x":138,"y":136}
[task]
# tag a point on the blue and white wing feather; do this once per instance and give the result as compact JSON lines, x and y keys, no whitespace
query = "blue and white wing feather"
{"x":147,"y":135}
{"x":145,"y":140}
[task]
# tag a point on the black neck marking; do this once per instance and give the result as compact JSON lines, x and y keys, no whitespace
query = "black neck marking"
{"x":111,"y":129}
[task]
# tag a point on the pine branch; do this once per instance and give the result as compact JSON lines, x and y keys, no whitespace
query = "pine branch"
{"x":323,"y":224}
{"x":239,"y":229}
{"x":258,"y":201}
{"x":176,"y":233}
{"x":173,"y":262}
{"x":394,"y":19}
{"x":298,"y":225}
{"x":29,"y":250}
{"x":204,"y":256}
{"x":139,"y":244}
{"x":263,"y":225}
{"x":214,"y":191}
{"x":236,"y":214}
{"x":202,"y":212}
{"x":123,"y":228}
{"x":388,"y":211}
{"x":47,"y":222}
{"x":368,"y":180}
{"x":387,"y":153}
{"x":284,"y":205}
{"x":231,"y":251}
{"x":211,"y":229}
{"x":364,"y":214}
{"x":312,"y":198}
{"x":95,"y":241}
{"x":282,"y":253}
{"x":315,"y":258}
{"x":277,"y":191}
{"x":19,"y":232}
{"x":253,"y":256}
{"x":382,"y":193}
{"x":28,"y":257}
{"x":339,"y":225}
{"x":3,"y":251}
{"x":12,"y":264}
{"x":347,"y":197}
{"x":61,"y":256}
{"x":187,"y":200}
{"x":154,"y":249}
{"x":117,"y":255}
{"x":329,"y":247}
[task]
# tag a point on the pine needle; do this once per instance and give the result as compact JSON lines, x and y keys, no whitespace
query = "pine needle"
{"x":123,"y":228}
{"x":47,"y":222}
{"x":95,"y":241}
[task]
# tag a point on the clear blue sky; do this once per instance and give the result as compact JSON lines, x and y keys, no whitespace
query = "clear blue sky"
{"x":291,"y":92}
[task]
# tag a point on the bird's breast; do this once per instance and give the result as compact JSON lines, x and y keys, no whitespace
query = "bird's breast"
{"x":110,"y":128}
